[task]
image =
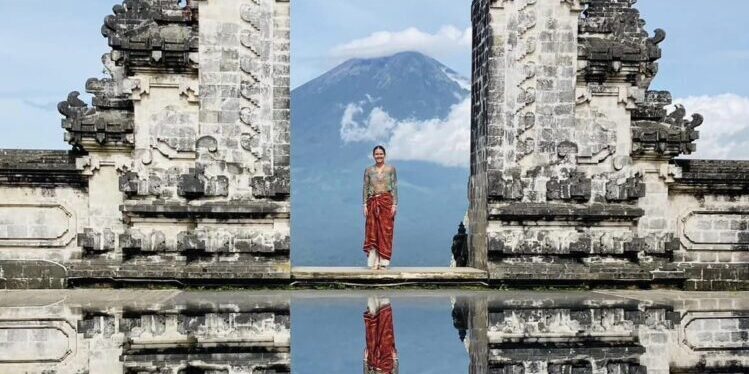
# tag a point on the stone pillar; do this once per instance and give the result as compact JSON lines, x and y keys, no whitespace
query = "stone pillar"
{"x":188,"y":143}
{"x":572,"y":171}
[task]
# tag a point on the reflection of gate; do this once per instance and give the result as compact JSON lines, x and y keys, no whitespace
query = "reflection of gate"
{"x":627,"y":332}
{"x":702,"y":370}
{"x":144,"y":332}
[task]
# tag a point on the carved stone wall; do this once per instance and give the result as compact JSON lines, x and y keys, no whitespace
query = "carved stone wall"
{"x":179,"y":168}
{"x":573,"y":175}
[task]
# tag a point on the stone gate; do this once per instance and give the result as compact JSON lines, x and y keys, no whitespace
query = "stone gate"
{"x":179,"y":167}
{"x":575,"y":174}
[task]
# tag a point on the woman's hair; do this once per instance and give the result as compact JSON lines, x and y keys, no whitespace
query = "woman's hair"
{"x":379,"y":147}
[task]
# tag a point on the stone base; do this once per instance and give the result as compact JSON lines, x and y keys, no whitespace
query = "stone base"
{"x":710,"y":277}
{"x":21,"y":274}
{"x":608,"y":274}
{"x":38,"y":274}
{"x":398,"y":275}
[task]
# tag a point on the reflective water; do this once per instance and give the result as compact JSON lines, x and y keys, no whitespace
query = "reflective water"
{"x":138,"y":331}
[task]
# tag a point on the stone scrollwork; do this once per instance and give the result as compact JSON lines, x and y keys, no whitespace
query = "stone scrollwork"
{"x":153,"y":34}
{"x":657,"y":133}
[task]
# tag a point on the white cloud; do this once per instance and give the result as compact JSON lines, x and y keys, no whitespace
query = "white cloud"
{"x":442,"y":141}
{"x":376,"y":126}
{"x":448,"y":41}
{"x":463,"y":82}
{"x":725,"y":133}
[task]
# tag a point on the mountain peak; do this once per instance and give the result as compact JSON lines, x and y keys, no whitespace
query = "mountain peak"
{"x":371,"y":94}
{"x":407,"y":57}
{"x":414,"y":70}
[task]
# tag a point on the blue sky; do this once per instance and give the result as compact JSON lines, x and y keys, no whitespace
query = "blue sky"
{"x":52,"y":47}
{"x":328,"y":335}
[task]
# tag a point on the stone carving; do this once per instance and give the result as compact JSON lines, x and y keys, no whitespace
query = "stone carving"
{"x":94,"y":242}
{"x":158,"y":34}
{"x":505,"y":189}
{"x":629,"y":189}
{"x":179,"y":169}
{"x":558,"y":190}
{"x":460,"y":247}
{"x":658,"y":134}
{"x":614,"y":44}
{"x":32,"y":225}
{"x":106,"y":125}
{"x":576,"y":187}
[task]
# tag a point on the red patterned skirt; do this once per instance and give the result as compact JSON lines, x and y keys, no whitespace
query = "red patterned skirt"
{"x":380,"y":340}
{"x":378,"y":235}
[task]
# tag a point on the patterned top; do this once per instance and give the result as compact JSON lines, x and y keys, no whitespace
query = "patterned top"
{"x":377,"y":182}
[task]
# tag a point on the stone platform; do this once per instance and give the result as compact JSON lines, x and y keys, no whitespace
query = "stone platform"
{"x":396,"y":275}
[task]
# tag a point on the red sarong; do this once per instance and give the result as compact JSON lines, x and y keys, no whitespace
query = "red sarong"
{"x":378,"y":234}
{"x":380,"y":340}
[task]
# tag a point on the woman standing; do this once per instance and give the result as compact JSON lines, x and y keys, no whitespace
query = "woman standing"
{"x":380,"y":206}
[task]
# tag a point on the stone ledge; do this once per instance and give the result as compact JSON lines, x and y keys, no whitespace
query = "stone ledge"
{"x":109,"y":300}
{"x":563,"y":212}
{"x":498,"y":352}
{"x":609,"y":273}
{"x":243,"y":209}
{"x":39,"y":168}
{"x":229,"y":273}
{"x":32,"y":274}
{"x":397,"y":274}
{"x":713,"y":175}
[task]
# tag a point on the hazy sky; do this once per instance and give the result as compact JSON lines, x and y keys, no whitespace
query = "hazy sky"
{"x":51,"y":47}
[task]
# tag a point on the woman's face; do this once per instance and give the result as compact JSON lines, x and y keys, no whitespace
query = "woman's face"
{"x":379,"y":156}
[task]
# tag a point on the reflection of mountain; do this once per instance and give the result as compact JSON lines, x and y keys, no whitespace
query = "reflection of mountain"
{"x":327,"y":224}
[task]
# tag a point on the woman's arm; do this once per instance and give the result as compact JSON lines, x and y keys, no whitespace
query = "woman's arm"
{"x":394,"y":186}
{"x":365,"y":189}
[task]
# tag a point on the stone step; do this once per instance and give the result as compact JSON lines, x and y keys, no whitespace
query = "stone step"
{"x":310,"y":274}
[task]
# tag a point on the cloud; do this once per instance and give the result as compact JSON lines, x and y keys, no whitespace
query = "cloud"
{"x":725,"y":133}
{"x":442,"y":141}
{"x":445,"y":142}
{"x":448,"y":41}
{"x":375,"y":127}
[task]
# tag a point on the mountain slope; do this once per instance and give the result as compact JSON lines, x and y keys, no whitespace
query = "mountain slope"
{"x":327,"y":222}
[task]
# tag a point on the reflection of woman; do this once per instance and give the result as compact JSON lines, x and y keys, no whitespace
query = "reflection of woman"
{"x":380,"y":206}
{"x":380,"y":356}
